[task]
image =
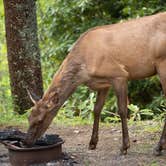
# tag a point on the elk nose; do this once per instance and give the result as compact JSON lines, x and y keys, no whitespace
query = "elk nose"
{"x":28,"y":141}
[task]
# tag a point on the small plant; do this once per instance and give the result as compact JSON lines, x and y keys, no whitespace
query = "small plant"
{"x":160,"y":117}
{"x":139,"y":114}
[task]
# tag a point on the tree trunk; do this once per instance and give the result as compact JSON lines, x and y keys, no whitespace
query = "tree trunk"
{"x":23,"y":51}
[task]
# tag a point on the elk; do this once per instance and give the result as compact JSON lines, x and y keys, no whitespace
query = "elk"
{"x":106,"y":56}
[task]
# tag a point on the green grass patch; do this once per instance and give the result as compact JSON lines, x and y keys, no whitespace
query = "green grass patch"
{"x":13,"y":119}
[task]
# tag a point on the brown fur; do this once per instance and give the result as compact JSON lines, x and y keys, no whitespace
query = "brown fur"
{"x":101,"y":57}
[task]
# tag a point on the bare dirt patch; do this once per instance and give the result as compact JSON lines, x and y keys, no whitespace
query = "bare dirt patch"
{"x":107,"y":152}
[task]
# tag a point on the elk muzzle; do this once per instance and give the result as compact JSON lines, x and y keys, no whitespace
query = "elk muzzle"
{"x":36,"y":130}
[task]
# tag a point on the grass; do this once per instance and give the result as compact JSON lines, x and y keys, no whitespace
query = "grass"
{"x":13,"y":119}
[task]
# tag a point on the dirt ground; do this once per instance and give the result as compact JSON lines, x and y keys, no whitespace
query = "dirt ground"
{"x":107,"y":152}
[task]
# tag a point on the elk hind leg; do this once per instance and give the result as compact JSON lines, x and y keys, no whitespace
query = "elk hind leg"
{"x":161,"y":69}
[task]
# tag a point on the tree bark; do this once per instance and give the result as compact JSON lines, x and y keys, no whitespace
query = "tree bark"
{"x":23,"y":51}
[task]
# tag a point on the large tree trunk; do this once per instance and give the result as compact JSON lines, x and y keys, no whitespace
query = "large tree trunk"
{"x":23,"y":51}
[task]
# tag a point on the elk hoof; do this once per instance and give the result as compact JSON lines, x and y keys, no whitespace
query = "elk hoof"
{"x":123,"y":151}
{"x":157,"y":151}
{"x":92,"y":146}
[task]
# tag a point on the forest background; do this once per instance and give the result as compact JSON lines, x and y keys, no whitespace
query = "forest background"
{"x":60,"y":23}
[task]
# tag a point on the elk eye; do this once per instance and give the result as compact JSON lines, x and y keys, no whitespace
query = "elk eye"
{"x":46,"y":106}
{"x":40,"y":120}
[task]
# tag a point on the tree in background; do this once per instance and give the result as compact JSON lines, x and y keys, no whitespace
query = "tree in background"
{"x":23,"y":51}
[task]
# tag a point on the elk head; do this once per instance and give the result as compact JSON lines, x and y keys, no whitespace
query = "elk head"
{"x":41,"y":115}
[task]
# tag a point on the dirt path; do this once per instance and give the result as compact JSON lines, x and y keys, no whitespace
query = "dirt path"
{"x":107,"y":152}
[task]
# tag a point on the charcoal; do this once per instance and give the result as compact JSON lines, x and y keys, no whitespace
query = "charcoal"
{"x":17,"y":137}
{"x":48,"y":140}
{"x":12,"y":134}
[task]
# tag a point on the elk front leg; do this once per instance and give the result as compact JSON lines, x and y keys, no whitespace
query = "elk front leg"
{"x":161,"y":68}
{"x":120,"y":87}
{"x":101,"y":96}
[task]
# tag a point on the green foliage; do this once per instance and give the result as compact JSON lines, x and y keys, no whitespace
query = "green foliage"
{"x":60,"y":23}
{"x":138,"y":114}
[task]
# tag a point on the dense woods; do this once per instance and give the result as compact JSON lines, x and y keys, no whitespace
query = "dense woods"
{"x":60,"y":23}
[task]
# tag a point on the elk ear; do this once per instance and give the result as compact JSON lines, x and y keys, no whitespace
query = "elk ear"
{"x":33,"y":97}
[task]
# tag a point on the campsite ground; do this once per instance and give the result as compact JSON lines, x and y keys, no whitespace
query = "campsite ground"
{"x":143,"y":137}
